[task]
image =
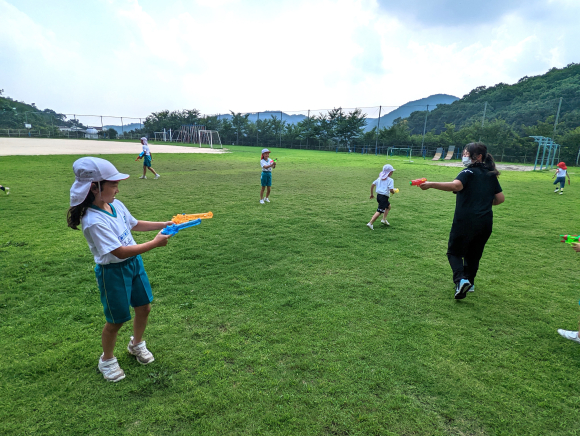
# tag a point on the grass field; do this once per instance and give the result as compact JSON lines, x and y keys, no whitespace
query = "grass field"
{"x":292,"y":318}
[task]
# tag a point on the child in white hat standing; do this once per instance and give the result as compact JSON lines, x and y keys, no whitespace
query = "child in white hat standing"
{"x":106,"y":225}
{"x":266,"y":178}
{"x":385,"y":187}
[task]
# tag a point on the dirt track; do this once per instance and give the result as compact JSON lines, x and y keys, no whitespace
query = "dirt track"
{"x":44,"y":146}
{"x":499,"y":166}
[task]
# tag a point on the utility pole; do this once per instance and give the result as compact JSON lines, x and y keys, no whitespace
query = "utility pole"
{"x":257,"y":130}
{"x":424,"y":128}
{"x":378,"y":128}
{"x":483,"y":119}
{"x":555,"y":124}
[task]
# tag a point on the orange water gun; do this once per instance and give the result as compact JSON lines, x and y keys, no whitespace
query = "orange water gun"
{"x":417,"y":182}
{"x":183,"y":218}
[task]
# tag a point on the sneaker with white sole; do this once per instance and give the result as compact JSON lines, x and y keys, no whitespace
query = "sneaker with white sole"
{"x":157,"y":176}
{"x":471,"y":288}
{"x":141,"y":352}
{"x":143,"y":177}
{"x":7,"y":190}
{"x":261,"y":201}
{"x":556,"y":190}
{"x":569,"y":334}
{"x":461,"y":289}
{"x":385,"y":222}
{"x":370,"y":226}
{"x":561,"y":192}
{"x":110,"y":369}
{"x":267,"y":200}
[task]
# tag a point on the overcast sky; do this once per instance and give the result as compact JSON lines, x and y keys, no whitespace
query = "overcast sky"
{"x":133,"y":57}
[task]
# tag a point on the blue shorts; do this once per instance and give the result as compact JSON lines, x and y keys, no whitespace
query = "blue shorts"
{"x":123,"y":284}
{"x":266,"y":178}
{"x":147,"y":161}
{"x":561,"y":181}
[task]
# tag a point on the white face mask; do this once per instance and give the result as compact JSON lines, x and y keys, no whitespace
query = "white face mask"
{"x":466,"y":160}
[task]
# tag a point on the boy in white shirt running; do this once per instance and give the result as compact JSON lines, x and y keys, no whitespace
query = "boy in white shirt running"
{"x":385,"y":187}
{"x":560,"y":175}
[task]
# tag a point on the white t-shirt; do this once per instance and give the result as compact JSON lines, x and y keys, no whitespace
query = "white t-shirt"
{"x":146,"y":150}
{"x":561,"y":173}
{"x":384,"y":186}
{"x":105,"y":232}
{"x":266,"y":162}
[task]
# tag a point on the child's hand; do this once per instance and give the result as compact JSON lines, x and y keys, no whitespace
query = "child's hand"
{"x":160,"y":239}
{"x":167,"y":223}
{"x":576,"y":247}
{"x":372,"y":196}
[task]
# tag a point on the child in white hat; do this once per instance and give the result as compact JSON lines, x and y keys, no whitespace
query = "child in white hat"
{"x":266,"y":178}
{"x":106,"y":225}
{"x":147,"y":156}
{"x":385,"y":187}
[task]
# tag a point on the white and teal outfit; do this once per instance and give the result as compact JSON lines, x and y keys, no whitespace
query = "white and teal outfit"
{"x":266,"y":177}
{"x":146,"y":155}
{"x":122,"y":282}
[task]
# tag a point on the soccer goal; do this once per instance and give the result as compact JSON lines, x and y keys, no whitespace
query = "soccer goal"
{"x":210,"y":137}
{"x":391,"y":151}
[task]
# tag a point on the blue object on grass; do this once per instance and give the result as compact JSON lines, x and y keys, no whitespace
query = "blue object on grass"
{"x":173,"y":229}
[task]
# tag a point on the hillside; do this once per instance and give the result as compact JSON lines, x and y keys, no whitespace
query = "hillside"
{"x":530,"y":101}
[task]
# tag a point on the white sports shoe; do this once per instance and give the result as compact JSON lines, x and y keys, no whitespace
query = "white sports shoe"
{"x":143,"y":177}
{"x":266,"y":200}
{"x":556,"y":190}
{"x":141,"y":352}
{"x":110,"y":369}
{"x":569,"y":334}
{"x":370,"y":226}
{"x":385,"y":222}
{"x":7,"y":190}
{"x":157,"y":176}
{"x":261,"y":201}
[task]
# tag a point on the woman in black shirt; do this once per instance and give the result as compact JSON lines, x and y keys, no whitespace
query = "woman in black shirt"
{"x":477,"y":190}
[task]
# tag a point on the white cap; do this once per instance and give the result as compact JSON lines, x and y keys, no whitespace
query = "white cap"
{"x":386,"y":170}
{"x":265,"y":151}
{"x":88,"y":170}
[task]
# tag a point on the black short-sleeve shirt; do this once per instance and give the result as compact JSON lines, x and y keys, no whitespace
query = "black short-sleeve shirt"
{"x":474,"y":201}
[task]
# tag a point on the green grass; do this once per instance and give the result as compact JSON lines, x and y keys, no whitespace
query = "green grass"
{"x":292,"y":318}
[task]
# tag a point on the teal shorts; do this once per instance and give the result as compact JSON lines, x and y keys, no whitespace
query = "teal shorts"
{"x":122,"y":285}
{"x":147,"y":161}
{"x":266,"y":178}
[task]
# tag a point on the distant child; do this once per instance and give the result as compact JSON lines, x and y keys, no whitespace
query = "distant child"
{"x":385,"y":187}
{"x":146,"y":154}
{"x":560,"y":175}
{"x":571,"y":334}
{"x":122,"y":280}
{"x":266,"y":178}
{"x":5,"y":189}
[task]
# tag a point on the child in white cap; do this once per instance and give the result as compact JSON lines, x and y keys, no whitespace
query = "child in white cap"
{"x":266,"y":178}
{"x":6,"y":189}
{"x":146,"y":155}
{"x":106,"y":225}
{"x":385,"y":187}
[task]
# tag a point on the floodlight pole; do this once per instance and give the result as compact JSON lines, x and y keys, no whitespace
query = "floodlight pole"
{"x":378,"y":128}
{"x":424,"y":128}
{"x":555,"y":124}
{"x":483,"y":119}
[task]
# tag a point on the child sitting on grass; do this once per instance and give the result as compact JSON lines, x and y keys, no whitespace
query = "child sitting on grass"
{"x":560,"y":175}
{"x":385,"y":187}
{"x":122,"y":280}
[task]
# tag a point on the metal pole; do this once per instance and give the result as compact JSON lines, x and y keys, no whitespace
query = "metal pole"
{"x":308,"y":127}
{"x":424,"y":128}
{"x":483,"y":119}
{"x":545,"y":140}
{"x":555,"y":124}
{"x":257,"y":130}
{"x":378,"y":128}
{"x":280,"y":129}
{"x":122,"y":127}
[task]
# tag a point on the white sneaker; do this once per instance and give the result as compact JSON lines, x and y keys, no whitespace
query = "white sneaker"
{"x":110,"y":369}
{"x":556,"y":190}
{"x":569,"y":334}
{"x":561,"y":192}
{"x":266,"y":200}
{"x":261,"y":201}
{"x":385,"y":222}
{"x":7,"y":190}
{"x":141,"y":352}
{"x":157,"y":176}
{"x":370,"y":226}
{"x":143,"y":177}
{"x":461,"y":289}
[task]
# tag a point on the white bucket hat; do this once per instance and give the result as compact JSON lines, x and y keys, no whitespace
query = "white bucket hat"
{"x":386,"y":170}
{"x":88,"y":170}
{"x":265,"y":150}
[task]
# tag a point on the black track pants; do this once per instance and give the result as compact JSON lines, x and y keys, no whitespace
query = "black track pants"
{"x":466,"y":244}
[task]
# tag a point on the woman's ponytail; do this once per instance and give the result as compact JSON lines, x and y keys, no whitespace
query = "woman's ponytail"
{"x":476,"y":148}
